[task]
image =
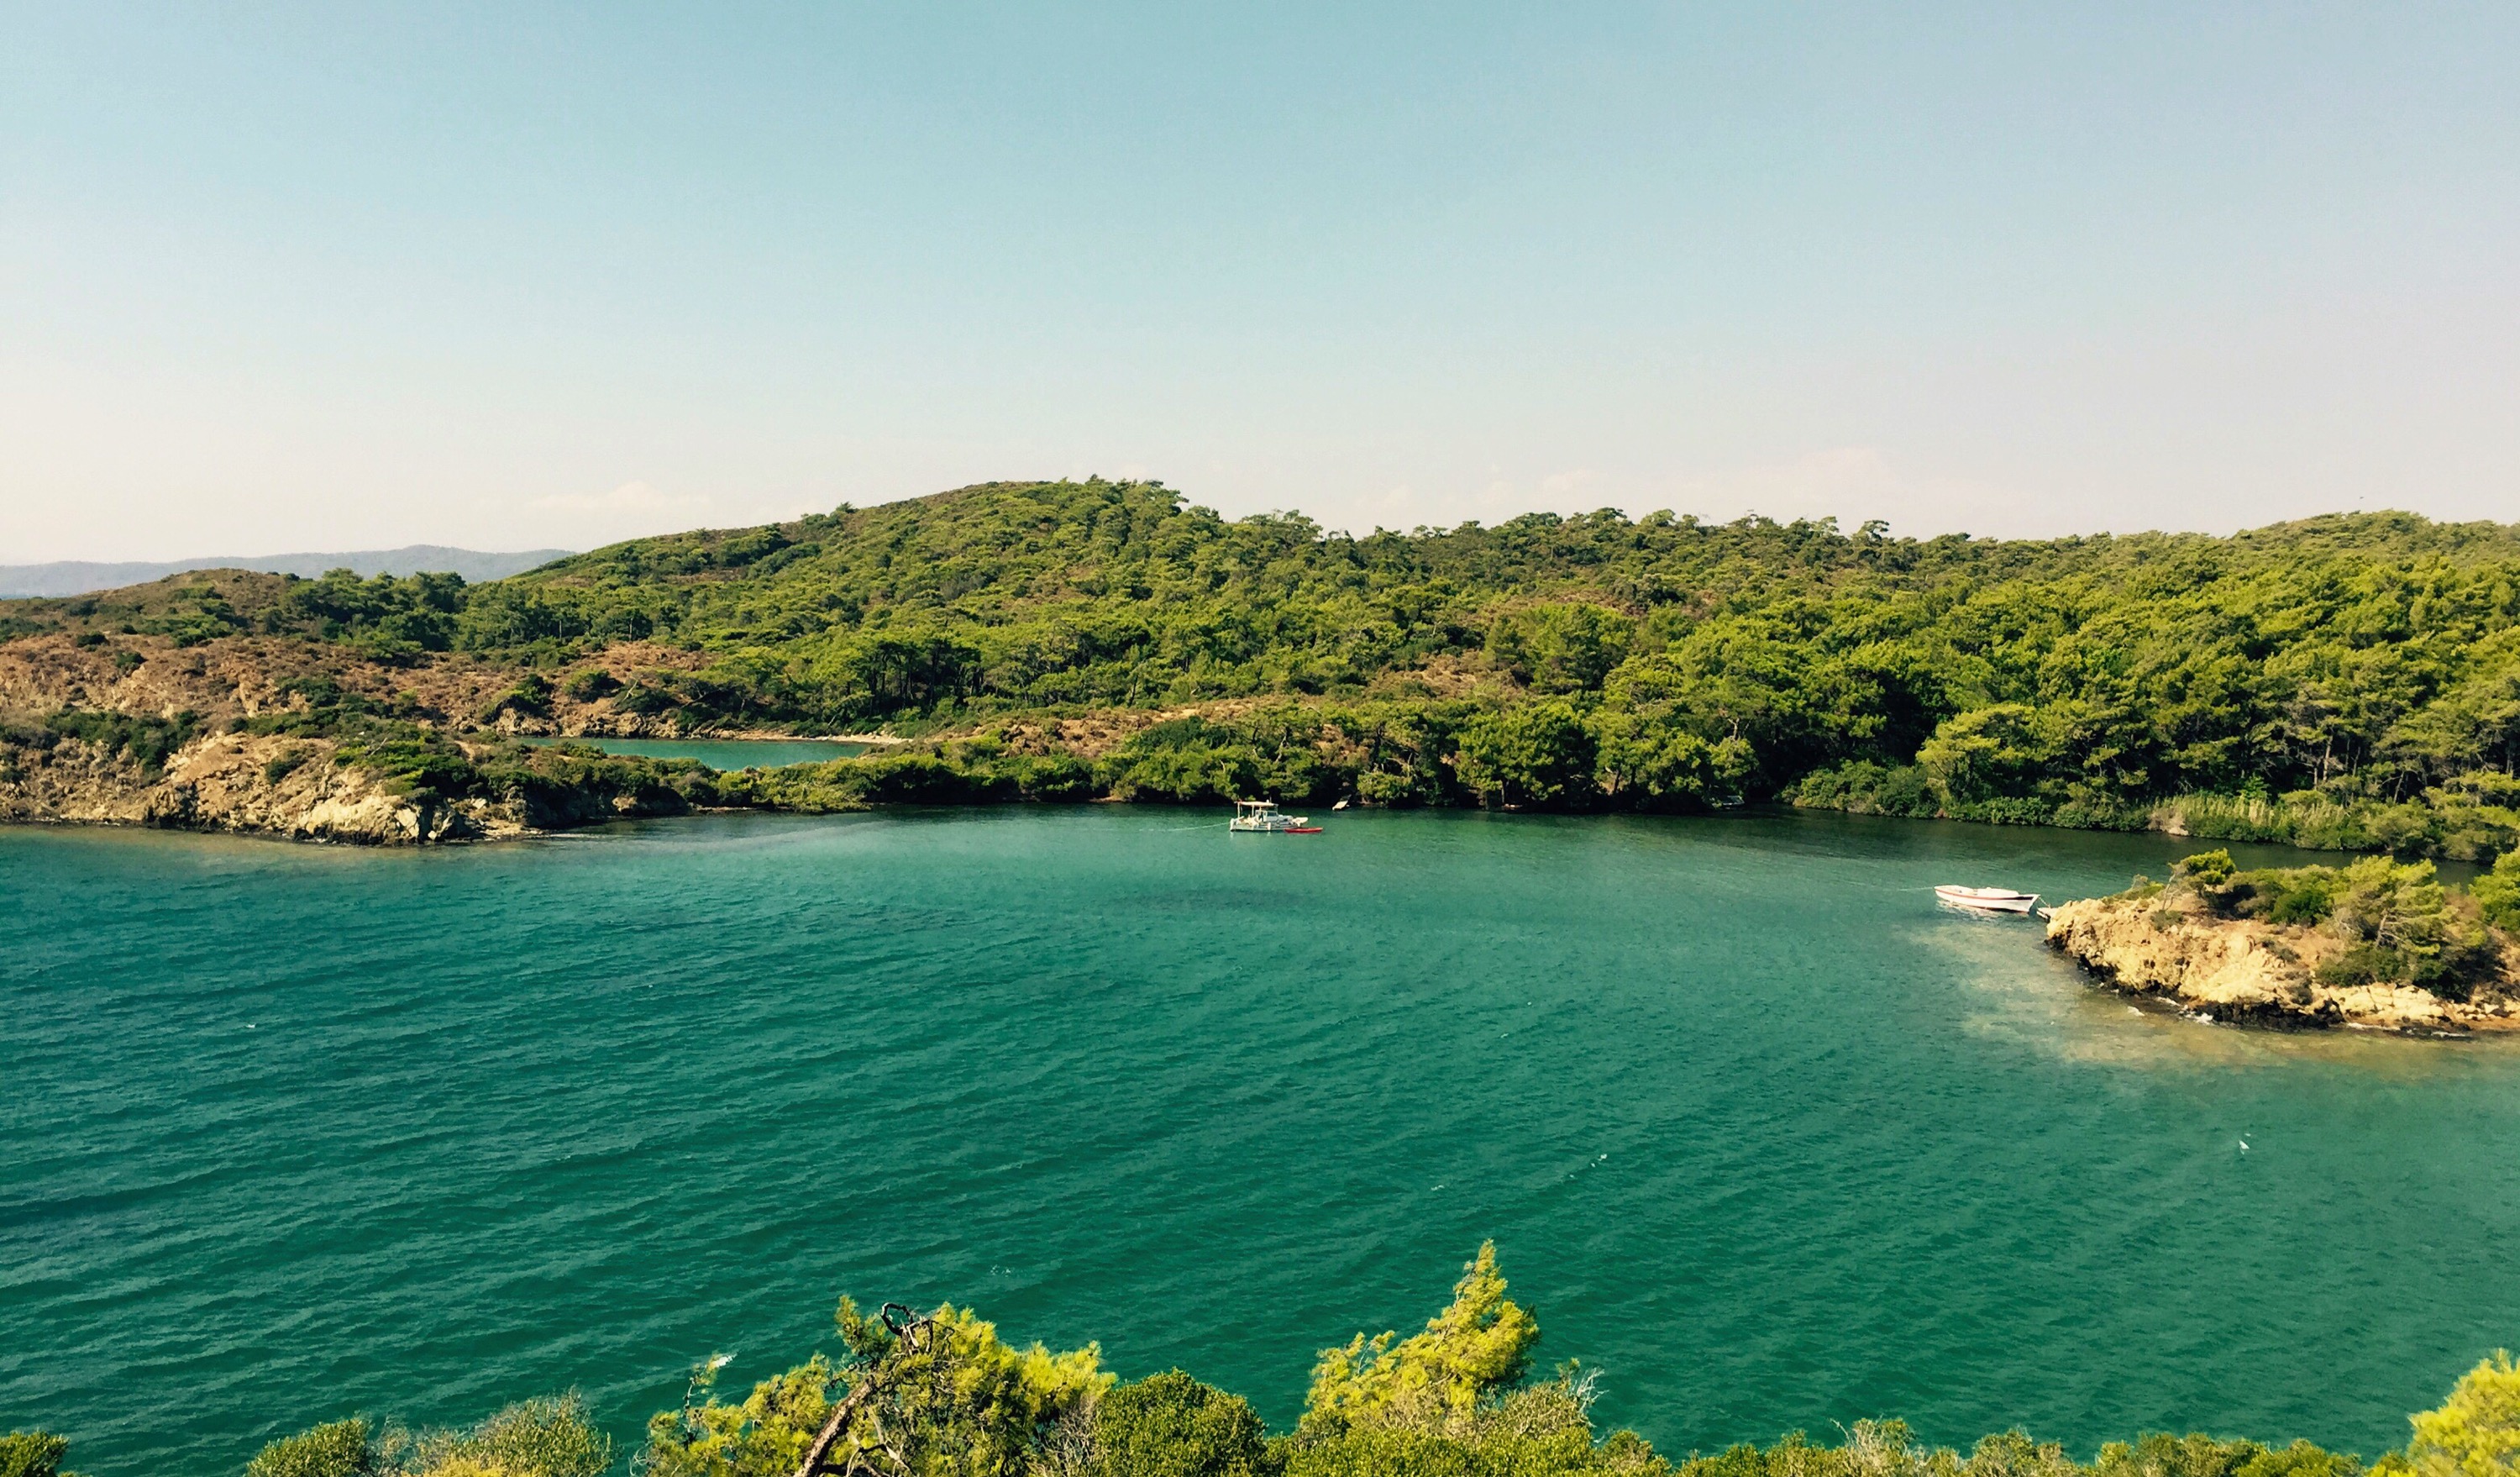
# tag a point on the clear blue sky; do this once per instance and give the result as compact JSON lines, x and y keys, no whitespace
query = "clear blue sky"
{"x":280,"y":278}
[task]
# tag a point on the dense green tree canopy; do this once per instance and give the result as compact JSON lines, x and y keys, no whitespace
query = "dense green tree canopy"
{"x":2348,"y":681}
{"x":2377,"y":646}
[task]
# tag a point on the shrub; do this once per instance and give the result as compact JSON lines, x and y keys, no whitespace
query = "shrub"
{"x":591,"y":683}
{"x":1052,"y":777}
{"x":2303,"y":818}
{"x":1479,"y":1345}
{"x":418,"y":764}
{"x":2300,"y":895}
{"x":32,"y":1453}
{"x":2476,"y":1432}
{"x":2197,"y":1455}
{"x":2398,"y":907}
{"x":2204,"y":870}
{"x":646,"y":699}
{"x":1906,"y":791}
{"x":530,"y":695}
{"x":148,"y":742}
{"x":1171,"y":1425}
{"x":2139,"y":889}
{"x":1386,"y":1452}
{"x":546,"y":1437}
{"x":563,"y":785}
{"x":341,"y":1449}
{"x":2498,"y":893}
{"x":956,"y":1399}
{"x":2366,"y":963}
{"x":1839,"y":788}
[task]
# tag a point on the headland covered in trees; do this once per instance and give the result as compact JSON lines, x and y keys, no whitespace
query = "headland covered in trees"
{"x":2349,"y":682}
{"x":940,"y":1394}
{"x":2379,"y":943}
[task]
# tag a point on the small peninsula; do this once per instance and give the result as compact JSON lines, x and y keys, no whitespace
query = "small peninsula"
{"x":2379,"y":943}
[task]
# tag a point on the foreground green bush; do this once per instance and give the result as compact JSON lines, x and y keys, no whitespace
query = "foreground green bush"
{"x":32,"y":1453}
{"x":941,"y":1395}
{"x":1171,"y":1425}
{"x":547,"y":1436}
{"x":2476,"y":1432}
{"x":341,"y":1449}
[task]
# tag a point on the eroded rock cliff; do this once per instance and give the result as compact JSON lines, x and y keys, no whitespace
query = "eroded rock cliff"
{"x":2243,"y":969}
{"x":250,"y":784}
{"x":271,"y":737}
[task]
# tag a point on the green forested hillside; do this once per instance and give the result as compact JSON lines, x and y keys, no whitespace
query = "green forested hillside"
{"x":2350,"y":680}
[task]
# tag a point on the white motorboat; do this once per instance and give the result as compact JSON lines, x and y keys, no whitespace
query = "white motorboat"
{"x":1987,"y":899}
{"x":1264,"y":816}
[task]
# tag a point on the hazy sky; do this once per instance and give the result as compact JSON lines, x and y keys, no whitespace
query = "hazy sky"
{"x":503,"y":276}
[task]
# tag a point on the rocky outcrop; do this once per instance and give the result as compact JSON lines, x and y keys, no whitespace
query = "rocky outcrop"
{"x":205,"y":699}
{"x":250,"y":784}
{"x":2240,"y":969}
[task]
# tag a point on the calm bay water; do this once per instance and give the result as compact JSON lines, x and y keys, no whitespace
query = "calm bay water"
{"x":725,"y":753}
{"x":289,"y":1133}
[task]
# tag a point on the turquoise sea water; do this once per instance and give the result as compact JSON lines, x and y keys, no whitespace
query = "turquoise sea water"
{"x":726,"y":753}
{"x":289,"y":1133}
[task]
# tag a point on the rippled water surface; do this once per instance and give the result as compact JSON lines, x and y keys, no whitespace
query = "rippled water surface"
{"x":289,"y":1133}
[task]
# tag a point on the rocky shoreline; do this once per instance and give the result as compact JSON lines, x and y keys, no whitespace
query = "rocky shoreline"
{"x":287,"y":788}
{"x":266,"y":737}
{"x":2254,"y":972}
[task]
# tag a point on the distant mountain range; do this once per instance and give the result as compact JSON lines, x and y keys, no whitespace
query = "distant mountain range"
{"x":74,"y":577}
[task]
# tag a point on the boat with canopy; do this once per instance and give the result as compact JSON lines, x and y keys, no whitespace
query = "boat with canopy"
{"x":1263,"y":817}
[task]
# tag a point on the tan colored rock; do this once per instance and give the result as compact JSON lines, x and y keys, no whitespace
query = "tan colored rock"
{"x":2240,"y":969}
{"x":2403,"y":1007}
{"x":225,"y":783}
